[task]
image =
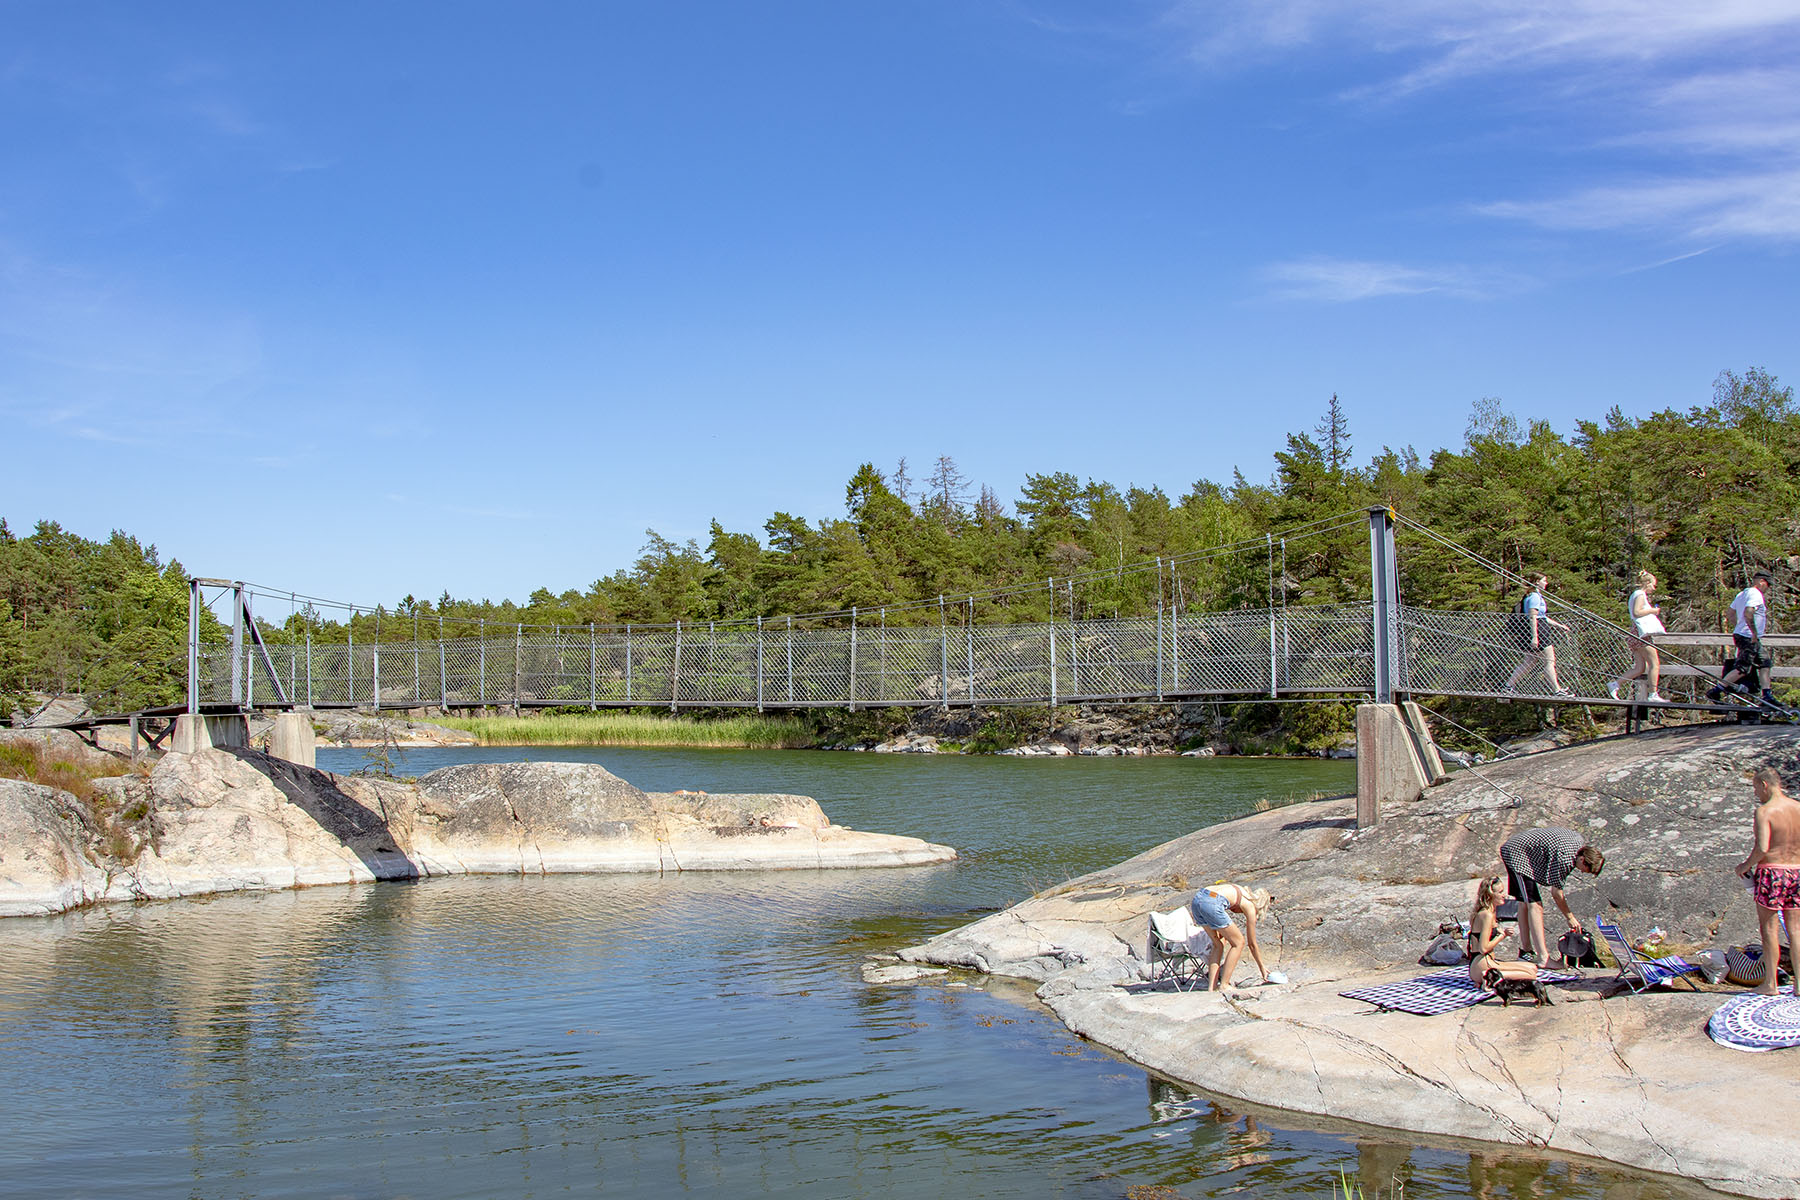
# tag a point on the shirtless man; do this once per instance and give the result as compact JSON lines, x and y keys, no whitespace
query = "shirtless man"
{"x":1774,"y":868}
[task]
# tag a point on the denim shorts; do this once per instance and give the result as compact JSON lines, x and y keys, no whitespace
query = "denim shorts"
{"x":1210,"y":911}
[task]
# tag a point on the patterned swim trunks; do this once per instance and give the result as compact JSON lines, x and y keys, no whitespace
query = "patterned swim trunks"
{"x":1777,"y":887}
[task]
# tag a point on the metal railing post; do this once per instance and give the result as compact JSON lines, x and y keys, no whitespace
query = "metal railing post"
{"x":675,"y":675}
{"x":852,"y":658}
{"x":443,"y":670}
{"x":237,"y":645}
{"x":1074,"y":644}
{"x":1385,"y":586}
{"x":375,"y":672}
{"x":1274,"y":678}
{"x":969,"y":636}
{"x":417,"y":697}
{"x":1175,"y":635}
{"x":943,"y":655}
{"x":518,"y":665}
{"x":759,"y":665}
{"x":1051,"y":582}
{"x":628,"y":664}
{"x":481,"y":662}
{"x":309,"y":677}
{"x":350,"y":661}
{"x":593,"y":670}
{"x":193,"y":689}
{"x":1159,"y":629}
{"x":790,"y":659}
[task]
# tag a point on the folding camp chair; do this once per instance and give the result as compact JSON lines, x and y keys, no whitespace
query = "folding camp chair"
{"x":1637,"y":970}
{"x":1178,"y":949}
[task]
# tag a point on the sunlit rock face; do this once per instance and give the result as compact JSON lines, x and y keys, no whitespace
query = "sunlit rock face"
{"x":230,"y":820}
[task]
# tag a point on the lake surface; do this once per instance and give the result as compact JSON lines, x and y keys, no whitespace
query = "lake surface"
{"x":704,"y":1034}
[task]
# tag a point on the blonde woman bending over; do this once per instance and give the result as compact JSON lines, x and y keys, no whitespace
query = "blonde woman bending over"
{"x":1212,"y":908}
{"x":1646,"y":623}
{"x":1484,"y":937}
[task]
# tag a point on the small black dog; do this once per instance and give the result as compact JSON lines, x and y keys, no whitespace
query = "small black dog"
{"x":1515,"y":989}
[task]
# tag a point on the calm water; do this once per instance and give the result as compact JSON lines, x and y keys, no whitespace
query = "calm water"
{"x":631,"y":1036}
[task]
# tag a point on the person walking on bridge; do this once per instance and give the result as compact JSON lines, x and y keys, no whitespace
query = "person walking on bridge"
{"x":1534,"y":625}
{"x":1541,"y":858}
{"x":1750,"y":607}
{"x":1646,"y":623}
{"x":1774,"y":871}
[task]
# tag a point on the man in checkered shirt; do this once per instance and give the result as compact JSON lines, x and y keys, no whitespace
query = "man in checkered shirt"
{"x":1543,"y":858}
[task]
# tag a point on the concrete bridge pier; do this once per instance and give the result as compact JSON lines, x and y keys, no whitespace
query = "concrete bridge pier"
{"x":1396,"y":758}
{"x":291,"y":739}
{"x":195,"y":732}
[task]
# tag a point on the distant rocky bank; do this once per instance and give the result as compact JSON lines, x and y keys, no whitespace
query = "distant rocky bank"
{"x":232,"y":820}
{"x":1632,"y":1079}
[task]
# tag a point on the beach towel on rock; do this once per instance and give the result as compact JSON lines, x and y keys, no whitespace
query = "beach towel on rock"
{"x":1438,"y":992}
{"x":1757,"y":1022}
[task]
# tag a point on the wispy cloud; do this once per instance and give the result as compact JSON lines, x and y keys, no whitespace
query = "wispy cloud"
{"x":1708,"y":92}
{"x":1340,"y":280}
{"x":1762,"y":205}
{"x":1432,"y":42}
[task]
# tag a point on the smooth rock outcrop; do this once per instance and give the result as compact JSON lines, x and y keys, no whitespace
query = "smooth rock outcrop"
{"x":47,"y":852}
{"x":230,"y":820}
{"x":1632,"y":1079}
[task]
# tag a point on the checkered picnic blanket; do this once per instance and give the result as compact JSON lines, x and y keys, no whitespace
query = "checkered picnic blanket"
{"x":1439,"y":992}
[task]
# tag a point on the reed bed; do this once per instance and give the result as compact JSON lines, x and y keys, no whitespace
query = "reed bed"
{"x":747,"y":732}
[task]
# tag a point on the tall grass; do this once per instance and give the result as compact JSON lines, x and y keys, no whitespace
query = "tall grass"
{"x":750,"y":731}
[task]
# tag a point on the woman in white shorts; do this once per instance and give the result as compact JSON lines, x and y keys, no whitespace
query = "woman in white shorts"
{"x":1646,"y":623}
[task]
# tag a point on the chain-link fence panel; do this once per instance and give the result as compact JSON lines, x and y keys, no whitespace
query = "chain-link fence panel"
{"x":902,"y":665}
{"x":1325,"y":648}
{"x":1112,"y":658}
{"x":1219,"y":654}
{"x":821,"y":671}
{"x":1491,"y":654}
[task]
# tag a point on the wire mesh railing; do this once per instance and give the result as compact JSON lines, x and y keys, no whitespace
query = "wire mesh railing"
{"x":1252,"y":652}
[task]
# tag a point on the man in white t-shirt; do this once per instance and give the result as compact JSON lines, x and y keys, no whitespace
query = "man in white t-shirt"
{"x":1751,"y":608}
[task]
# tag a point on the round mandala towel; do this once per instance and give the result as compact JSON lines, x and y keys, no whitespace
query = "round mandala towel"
{"x":1757,"y":1022}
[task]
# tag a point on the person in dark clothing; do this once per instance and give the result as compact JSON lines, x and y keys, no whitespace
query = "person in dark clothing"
{"x":1541,"y":858}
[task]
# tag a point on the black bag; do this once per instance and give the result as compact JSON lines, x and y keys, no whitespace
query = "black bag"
{"x":1506,"y":910}
{"x":1577,"y":949}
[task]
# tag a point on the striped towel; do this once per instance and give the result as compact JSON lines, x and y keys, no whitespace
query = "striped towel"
{"x":1439,"y":992}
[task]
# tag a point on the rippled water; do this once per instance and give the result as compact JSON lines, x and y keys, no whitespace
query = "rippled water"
{"x":640,"y":1036}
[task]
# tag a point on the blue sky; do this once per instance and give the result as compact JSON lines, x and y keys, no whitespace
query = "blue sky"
{"x":374,"y":299}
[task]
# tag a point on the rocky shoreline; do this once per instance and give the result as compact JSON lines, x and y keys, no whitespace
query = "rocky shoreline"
{"x":1630,"y":1079}
{"x":234,"y":820}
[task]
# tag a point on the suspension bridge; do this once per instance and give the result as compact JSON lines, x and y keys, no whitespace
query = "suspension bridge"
{"x":1381,"y":653}
{"x":1377,"y":649}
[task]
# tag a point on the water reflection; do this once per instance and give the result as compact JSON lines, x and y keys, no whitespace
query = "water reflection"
{"x":630,"y":1035}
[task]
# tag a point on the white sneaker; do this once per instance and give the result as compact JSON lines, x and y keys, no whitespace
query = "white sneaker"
{"x":1653,"y":698}
{"x":1612,"y":688}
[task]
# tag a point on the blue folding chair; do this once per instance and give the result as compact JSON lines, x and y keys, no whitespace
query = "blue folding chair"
{"x":1639,"y":971}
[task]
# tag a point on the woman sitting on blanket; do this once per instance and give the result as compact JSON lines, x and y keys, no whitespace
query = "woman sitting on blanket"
{"x":1212,"y":908}
{"x":1483,"y":937}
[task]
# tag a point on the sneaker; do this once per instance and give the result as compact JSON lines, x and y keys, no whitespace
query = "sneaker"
{"x":1564,"y":694}
{"x":1529,"y":956}
{"x":1715,"y":694}
{"x":1653,"y":698}
{"x":1612,"y":688}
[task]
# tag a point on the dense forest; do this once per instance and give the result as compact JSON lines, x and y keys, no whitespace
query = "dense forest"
{"x":1700,"y":497}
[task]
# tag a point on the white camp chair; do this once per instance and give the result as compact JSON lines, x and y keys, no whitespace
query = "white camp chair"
{"x":1178,"y":949}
